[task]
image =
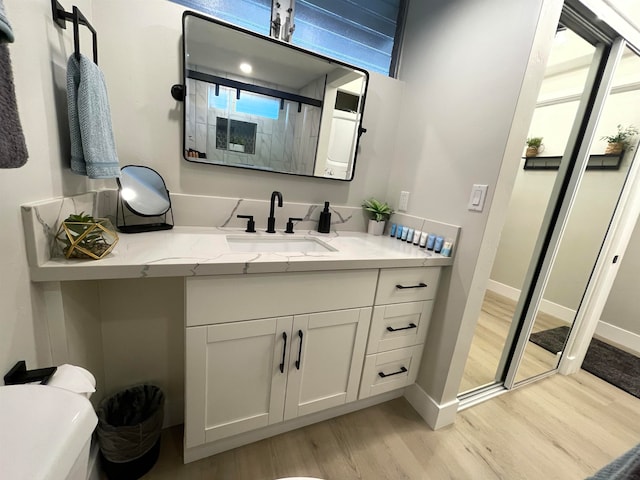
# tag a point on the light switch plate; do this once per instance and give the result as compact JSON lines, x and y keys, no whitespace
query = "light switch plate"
{"x":403,"y":203}
{"x":477,"y":198}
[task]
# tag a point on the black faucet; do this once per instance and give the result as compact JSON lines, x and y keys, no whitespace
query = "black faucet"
{"x":271,"y":221}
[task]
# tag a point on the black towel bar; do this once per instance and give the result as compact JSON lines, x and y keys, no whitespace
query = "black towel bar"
{"x":61,"y":17}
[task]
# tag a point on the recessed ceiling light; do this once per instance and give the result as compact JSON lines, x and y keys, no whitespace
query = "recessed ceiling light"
{"x":245,"y":67}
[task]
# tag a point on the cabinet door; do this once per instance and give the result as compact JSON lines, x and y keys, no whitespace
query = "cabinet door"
{"x":325,"y":364}
{"x":234,"y":380}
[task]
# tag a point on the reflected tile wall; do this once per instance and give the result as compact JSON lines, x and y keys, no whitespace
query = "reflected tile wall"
{"x":284,"y":150}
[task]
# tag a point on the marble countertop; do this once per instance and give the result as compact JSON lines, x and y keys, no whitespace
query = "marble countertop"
{"x":189,"y":251}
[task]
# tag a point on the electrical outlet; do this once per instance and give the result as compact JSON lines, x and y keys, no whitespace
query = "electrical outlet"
{"x":403,"y":203}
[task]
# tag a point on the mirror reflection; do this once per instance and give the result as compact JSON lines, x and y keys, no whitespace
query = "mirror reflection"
{"x":254,"y":102}
{"x":143,"y":191}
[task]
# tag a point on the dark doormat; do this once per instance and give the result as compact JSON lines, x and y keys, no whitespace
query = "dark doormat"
{"x":611,"y":364}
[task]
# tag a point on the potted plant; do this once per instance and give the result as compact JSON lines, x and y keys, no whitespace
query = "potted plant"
{"x":379,"y":213}
{"x":622,"y":140}
{"x":82,"y":236}
{"x":534,"y":146}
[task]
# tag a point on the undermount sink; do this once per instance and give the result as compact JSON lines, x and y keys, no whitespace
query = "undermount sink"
{"x":241,"y":243}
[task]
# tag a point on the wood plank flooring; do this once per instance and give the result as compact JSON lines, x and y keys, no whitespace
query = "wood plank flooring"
{"x":557,"y":428}
{"x":489,"y":339}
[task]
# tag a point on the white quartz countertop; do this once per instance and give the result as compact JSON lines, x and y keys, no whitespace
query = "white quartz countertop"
{"x":189,"y":251}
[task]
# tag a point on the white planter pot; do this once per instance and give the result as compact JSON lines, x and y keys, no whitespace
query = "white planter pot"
{"x":376,"y":228}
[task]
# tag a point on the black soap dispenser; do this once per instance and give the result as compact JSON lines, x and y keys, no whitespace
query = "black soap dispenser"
{"x":324,"y":223}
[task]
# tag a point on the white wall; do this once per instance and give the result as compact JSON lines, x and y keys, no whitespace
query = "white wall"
{"x":139,"y":52}
{"x":39,"y":57}
{"x":464,"y":66}
{"x":623,"y":305}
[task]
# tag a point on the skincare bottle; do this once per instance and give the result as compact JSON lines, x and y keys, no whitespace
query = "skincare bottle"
{"x":416,"y":237}
{"x":423,"y":239}
{"x":392,"y":232}
{"x":399,"y":232}
{"x":431,"y":239}
{"x":324,"y":223}
{"x":447,"y":247}
{"x":410,"y":235}
{"x":405,"y":232}
{"x":437,"y":247}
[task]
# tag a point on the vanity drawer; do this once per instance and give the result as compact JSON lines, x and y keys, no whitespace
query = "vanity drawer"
{"x":388,"y":371}
{"x":231,"y":298}
{"x":399,"y":325}
{"x":398,"y":285}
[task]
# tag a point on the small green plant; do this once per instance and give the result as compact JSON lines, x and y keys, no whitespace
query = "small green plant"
{"x":623,"y":136}
{"x":534,"y":142}
{"x":377,"y":210}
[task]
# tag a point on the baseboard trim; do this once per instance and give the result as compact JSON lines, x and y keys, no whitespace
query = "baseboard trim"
{"x":202,"y":451}
{"x":607,"y":332}
{"x":436,"y":415}
{"x":628,"y":340}
{"x":556,"y":310}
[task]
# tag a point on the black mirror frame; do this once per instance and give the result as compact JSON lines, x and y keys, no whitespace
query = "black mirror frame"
{"x":179,"y":92}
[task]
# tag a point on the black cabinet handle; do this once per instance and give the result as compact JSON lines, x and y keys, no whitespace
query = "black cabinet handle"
{"x":411,"y":325}
{"x":420,"y":285}
{"x":383,"y":375}
{"x":299,"y":361}
{"x":284,"y":351}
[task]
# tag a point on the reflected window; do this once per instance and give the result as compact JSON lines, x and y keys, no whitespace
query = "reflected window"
{"x":258,"y":105}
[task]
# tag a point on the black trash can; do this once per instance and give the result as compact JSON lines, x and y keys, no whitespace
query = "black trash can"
{"x":129,"y":426}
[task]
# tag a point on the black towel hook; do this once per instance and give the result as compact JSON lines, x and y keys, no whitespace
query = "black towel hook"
{"x":61,"y":17}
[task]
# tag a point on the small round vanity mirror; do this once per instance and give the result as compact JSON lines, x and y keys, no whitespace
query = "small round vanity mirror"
{"x":143,"y":191}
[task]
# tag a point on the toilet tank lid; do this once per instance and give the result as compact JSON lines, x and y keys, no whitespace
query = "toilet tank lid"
{"x":42,"y":430}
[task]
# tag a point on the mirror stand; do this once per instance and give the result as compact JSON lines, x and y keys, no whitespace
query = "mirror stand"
{"x":142,"y":194}
{"x":121,"y":209}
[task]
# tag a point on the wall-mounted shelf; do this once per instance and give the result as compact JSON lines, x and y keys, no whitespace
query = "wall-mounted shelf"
{"x":596,"y":162}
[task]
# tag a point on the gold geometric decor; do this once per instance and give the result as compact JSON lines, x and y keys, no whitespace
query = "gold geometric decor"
{"x":82,"y":236}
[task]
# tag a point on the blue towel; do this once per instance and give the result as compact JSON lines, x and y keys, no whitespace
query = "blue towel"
{"x":93,"y":149}
{"x":6,"y":34}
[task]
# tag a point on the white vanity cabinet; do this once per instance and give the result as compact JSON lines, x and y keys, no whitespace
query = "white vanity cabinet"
{"x":401,"y":315}
{"x":262,"y":349}
{"x":243,"y":372}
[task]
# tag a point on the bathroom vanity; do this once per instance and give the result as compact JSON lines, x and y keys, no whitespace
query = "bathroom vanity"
{"x":280,"y":331}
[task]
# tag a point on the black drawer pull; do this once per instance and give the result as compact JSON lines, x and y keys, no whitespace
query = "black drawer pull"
{"x":284,"y":351}
{"x":420,"y":285}
{"x":383,"y":375}
{"x":299,"y":361}
{"x":411,"y":325}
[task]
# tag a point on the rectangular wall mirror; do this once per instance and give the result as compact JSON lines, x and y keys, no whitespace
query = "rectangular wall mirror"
{"x":258,"y":103}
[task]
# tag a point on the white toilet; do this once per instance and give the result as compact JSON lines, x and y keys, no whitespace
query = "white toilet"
{"x":45,"y":433}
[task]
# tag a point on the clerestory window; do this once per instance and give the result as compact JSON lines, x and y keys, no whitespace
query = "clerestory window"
{"x":365,"y":33}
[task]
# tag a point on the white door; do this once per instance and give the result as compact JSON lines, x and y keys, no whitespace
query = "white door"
{"x":236,"y":376}
{"x":325,"y":363}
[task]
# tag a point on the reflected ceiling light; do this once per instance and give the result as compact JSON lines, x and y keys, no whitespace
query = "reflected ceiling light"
{"x":128,"y":194}
{"x":245,"y":67}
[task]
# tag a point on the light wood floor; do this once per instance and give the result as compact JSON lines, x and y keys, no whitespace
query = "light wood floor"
{"x":557,"y":428}
{"x":489,"y":339}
